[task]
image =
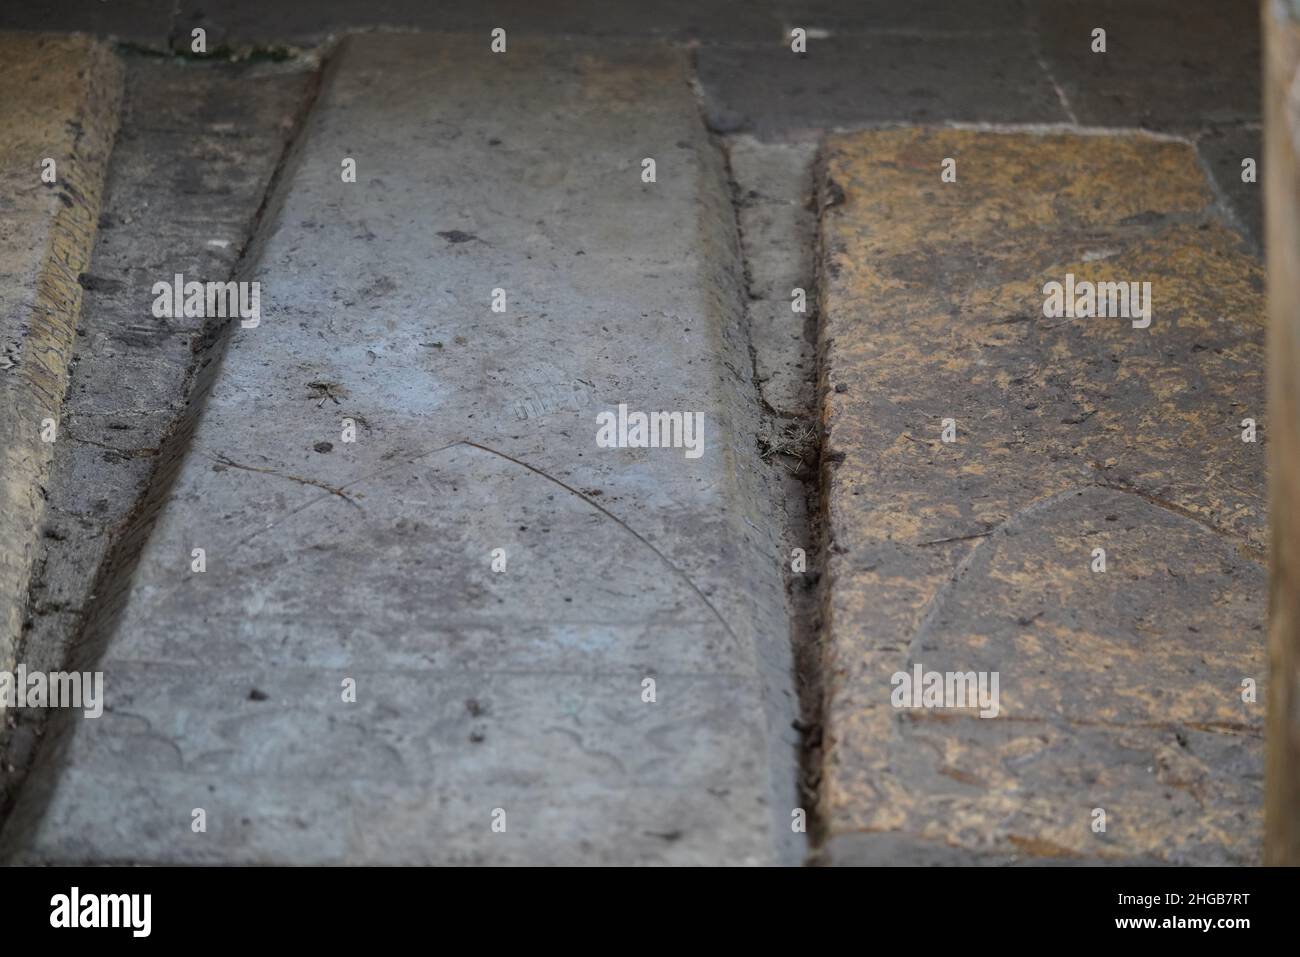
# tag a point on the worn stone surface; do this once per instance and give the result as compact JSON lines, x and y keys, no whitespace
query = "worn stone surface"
{"x":706,"y":21}
{"x":853,"y":81}
{"x":256,"y":22}
{"x":241,"y":22}
{"x":139,"y":21}
{"x":1222,"y":150}
{"x":916,"y":16}
{"x":190,"y":166}
{"x":773,"y":187}
{"x":58,"y":100}
{"x":1185,"y":67}
{"x":1119,"y":690}
{"x":372,"y":561}
{"x":1169,"y":64}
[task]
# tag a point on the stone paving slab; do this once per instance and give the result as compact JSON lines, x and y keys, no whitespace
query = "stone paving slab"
{"x":240,"y":22}
{"x":328,"y":561}
{"x":846,"y":81}
{"x":59,"y":99}
{"x":778,"y":225}
{"x":187,"y":175}
{"x":1119,"y":690}
{"x":1168,"y":64}
{"x":138,"y":21}
{"x":1223,"y":150}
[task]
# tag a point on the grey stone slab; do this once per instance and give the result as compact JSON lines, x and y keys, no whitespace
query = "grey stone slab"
{"x":1169,"y":64}
{"x":251,"y":23}
{"x":773,"y":190}
{"x":1222,"y":150}
{"x":445,"y":607}
{"x":141,"y":21}
{"x":654,"y":823}
{"x":450,"y":729}
{"x":774,"y":186}
{"x":259,"y":24}
{"x":849,"y":81}
{"x":130,"y":370}
{"x":476,"y":430}
{"x":190,"y":180}
{"x":915,"y":16}
{"x":60,"y":100}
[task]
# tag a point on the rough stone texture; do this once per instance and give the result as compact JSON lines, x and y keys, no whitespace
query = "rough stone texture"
{"x":778,"y":225}
{"x":1119,"y":690}
{"x":1169,"y":64}
{"x":244,"y":22}
{"x":255,"y":22}
{"x":59,"y":100}
{"x":706,"y":21}
{"x":190,"y":167}
{"x":915,"y":16}
{"x":1222,"y":149}
{"x":1188,"y":67}
{"x":476,"y":690}
{"x":773,"y":187}
{"x":852,"y":81}
{"x":139,"y":21}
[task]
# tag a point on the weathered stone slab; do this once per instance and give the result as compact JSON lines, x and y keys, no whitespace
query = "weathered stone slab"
{"x":1119,"y":690}
{"x":190,"y":167}
{"x":59,"y":99}
{"x":519,"y":687}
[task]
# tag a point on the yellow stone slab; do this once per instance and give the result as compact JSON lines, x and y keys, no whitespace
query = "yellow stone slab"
{"x":59,"y":100}
{"x":1120,"y":691}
